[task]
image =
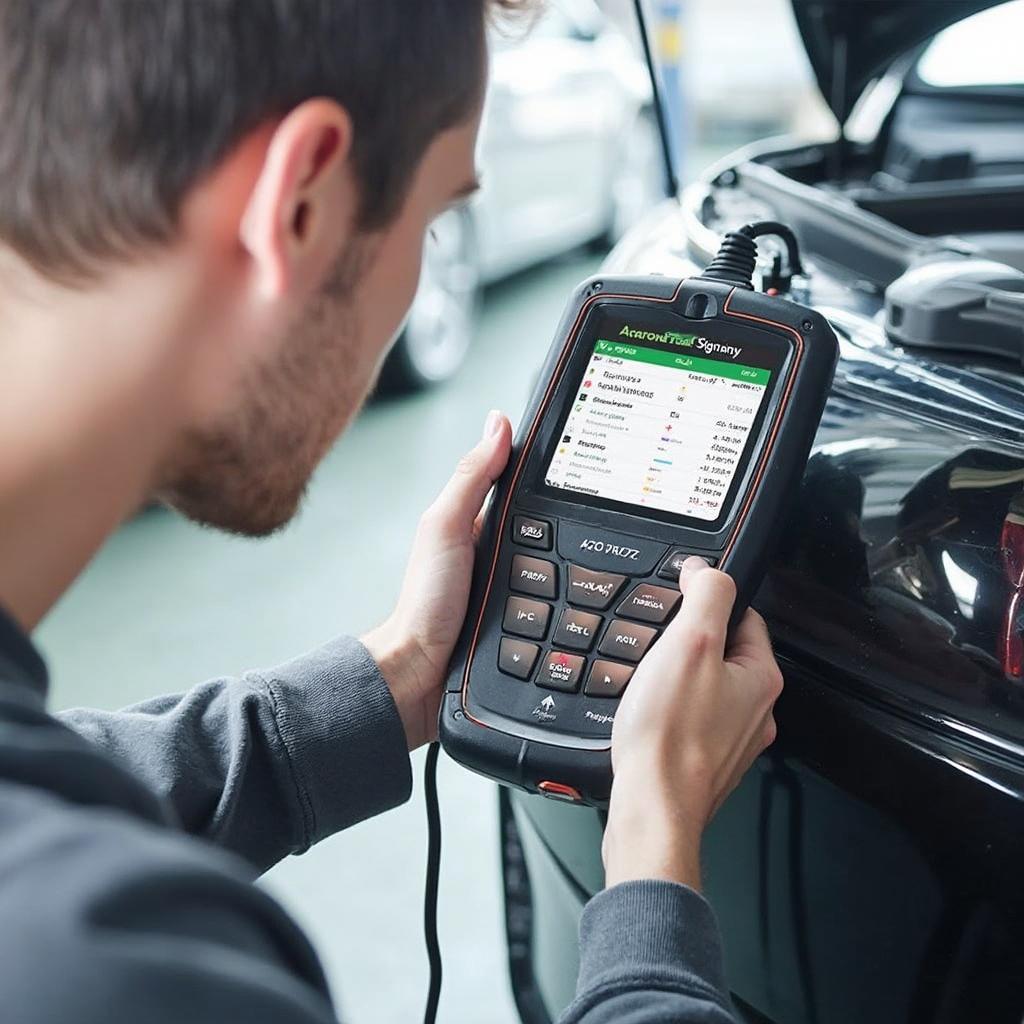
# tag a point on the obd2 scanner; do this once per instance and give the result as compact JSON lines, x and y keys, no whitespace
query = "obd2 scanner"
{"x":672,"y":418}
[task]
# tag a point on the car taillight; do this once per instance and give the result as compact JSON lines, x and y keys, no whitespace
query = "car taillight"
{"x":1012,"y":640}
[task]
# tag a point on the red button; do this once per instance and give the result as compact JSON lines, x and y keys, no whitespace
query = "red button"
{"x":558,"y":791}
{"x":560,"y":671}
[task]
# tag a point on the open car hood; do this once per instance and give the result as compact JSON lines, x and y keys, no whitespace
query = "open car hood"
{"x":850,"y":41}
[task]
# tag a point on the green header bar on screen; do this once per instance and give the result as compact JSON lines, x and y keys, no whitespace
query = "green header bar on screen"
{"x":693,"y":364}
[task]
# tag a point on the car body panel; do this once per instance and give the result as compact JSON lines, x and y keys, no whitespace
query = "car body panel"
{"x":869,"y":867}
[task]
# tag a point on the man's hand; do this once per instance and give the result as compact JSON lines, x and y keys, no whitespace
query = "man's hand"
{"x":692,"y":721}
{"x":415,"y":644}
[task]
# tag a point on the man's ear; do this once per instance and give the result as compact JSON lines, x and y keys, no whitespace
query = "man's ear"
{"x":304,"y":200}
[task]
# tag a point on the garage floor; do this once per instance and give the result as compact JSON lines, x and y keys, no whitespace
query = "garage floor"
{"x":167,"y":604}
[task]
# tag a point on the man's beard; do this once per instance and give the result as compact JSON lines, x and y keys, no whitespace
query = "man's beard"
{"x":249,"y":474}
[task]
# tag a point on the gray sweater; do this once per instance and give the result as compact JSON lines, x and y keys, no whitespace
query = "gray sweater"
{"x":129,"y":842}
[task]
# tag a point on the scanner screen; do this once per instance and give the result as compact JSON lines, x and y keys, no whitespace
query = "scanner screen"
{"x":661,"y":427}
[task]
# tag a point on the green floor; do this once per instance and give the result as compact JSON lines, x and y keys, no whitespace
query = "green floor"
{"x":167,"y":604}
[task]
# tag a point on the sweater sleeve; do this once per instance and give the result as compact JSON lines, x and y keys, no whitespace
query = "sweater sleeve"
{"x":272,"y":762}
{"x":650,"y":953}
{"x":107,"y":917}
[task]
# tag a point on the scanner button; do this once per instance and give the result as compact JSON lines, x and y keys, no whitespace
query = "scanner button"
{"x":596,"y":548}
{"x":590,"y":589}
{"x":607,"y":679}
{"x":650,"y":604}
{"x":526,"y":618}
{"x":532,"y":533}
{"x":558,"y":791}
{"x":534,"y":576}
{"x":560,"y":671}
{"x":627,"y":640}
{"x":517,"y":658}
{"x":577,"y":630}
{"x":673,"y":565}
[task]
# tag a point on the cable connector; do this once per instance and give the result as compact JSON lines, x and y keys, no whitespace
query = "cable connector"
{"x":736,"y":258}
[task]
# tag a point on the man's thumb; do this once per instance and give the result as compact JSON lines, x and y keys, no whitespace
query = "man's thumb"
{"x":458,"y":505}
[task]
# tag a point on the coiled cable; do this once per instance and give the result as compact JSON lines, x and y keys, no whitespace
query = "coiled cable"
{"x":736,"y":259}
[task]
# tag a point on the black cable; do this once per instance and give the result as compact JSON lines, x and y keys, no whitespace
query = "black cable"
{"x":736,"y":259}
{"x":432,"y":882}
{"x":773,"y":227}
{"x":734,"y":262}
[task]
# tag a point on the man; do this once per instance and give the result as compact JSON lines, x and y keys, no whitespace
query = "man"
{"x":211,"y":219}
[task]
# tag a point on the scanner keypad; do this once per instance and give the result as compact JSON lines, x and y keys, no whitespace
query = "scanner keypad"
{"x":532,"y":533}
{"x":577,"y":631}
{"x":517,"y":658}
{"x":534,"y":576}
{"x":655,"y":605}
{"x":607,"y":679}
{"x":589,"y":589}
{"x":627,"y":640}
{"x":673,"y":565}
{"x":560,"y":671}
{"x":606,"y":601}
{"x":526,"y":618}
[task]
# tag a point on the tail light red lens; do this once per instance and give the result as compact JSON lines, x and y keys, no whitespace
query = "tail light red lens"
{"x":1012,"y":640}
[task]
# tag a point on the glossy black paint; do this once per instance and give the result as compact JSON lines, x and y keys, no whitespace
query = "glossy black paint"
{"x":889,"y":820}
{"x":871,"y":867}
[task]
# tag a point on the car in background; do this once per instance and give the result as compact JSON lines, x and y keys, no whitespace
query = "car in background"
{"x":570,"y":154}
{"x":871,"y":865}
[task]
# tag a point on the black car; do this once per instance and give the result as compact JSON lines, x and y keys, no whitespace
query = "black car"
{"x":871,"y":866}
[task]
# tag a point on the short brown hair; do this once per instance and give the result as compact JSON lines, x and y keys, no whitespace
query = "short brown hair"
{"x":112,"y":109}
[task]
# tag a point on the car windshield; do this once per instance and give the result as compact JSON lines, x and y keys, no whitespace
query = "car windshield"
{"x":983,"y":50}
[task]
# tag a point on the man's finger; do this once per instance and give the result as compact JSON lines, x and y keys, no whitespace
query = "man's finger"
{"x":708,"y":597}
{"x":456,"y":508}
{"x":478,"y":523}
{"x":750,"y":640}
{"x":762,"y":738}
